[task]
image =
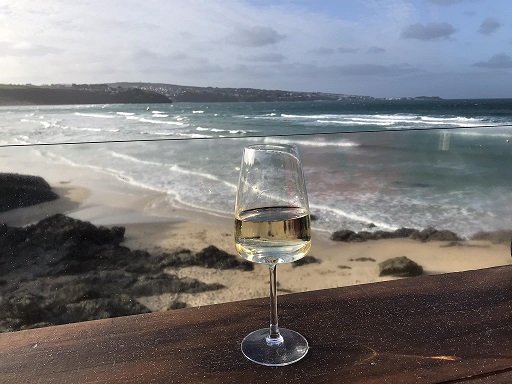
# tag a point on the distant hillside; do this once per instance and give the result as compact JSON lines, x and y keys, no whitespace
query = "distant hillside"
{"x":146,"y":93}
{"x":77,"y":94}
{"x":183,"y":93}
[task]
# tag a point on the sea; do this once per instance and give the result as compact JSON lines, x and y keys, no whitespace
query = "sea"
{"x":369,"y":164}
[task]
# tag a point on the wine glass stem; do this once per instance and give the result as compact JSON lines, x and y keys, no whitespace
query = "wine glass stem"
{"x":274,"y":336}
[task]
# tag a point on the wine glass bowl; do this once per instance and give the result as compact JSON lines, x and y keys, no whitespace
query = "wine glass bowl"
{"x":272,"y":226}
{"x":273,"y":235}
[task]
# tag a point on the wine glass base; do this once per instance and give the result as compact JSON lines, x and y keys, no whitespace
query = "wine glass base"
{"x":256,"y":348}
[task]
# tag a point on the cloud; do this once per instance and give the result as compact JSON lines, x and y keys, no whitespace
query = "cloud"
{"x":322,"y":51}
{"x":489,"y":26}
{"x":178,"y":56}
{"x":376,"y":49}
{"x":431,"y":31}
{"x":270,"y":57}
{"x":257,"y":36}
{"x":26,"y":49}
{"x":499,"y":61}
{"x":347,"y":50}
{"x":372,"y":70}
{"x":445,"y":2}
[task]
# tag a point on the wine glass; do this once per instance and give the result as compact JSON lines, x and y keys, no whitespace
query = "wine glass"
{"x":272,"y":226}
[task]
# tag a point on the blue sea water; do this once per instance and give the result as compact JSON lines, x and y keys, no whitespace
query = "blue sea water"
{"x":390,"y":163}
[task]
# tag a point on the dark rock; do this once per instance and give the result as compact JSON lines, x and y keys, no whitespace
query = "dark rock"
{"x":400,"y":267}
{"x":342,"y":235}
{"x":212,"y":257}
{"x":209,"y":257}
{"x":121,"y":305}
{"x":64,"y":270}
{"x":305,"y":260}
{"x":496,"y":237}
{"x":17,"y":191}
{"x":313,"y":217}
{"x":344,"y":267}
{"x":363,"y":259}
{"x":27,"y":307}
{"x":464,"y":244}
{"x":179,"y":258}
{"x":427,"y":234}
{"x":177,"y":305}
{"x":432,"y":234}
{"x":362,"y":236}
{"x":74,"y":293}
{"x":405,"y":232}
{"x":166,"y":283}
{"x":140,"y":267}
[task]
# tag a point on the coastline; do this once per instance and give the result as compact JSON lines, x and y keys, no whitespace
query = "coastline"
{"x":103,"y":199}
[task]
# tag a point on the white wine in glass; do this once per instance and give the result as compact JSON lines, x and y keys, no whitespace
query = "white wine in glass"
{"x":272,"y":226}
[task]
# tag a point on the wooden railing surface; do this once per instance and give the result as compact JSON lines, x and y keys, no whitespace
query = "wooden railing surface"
{"x":452,"y":328}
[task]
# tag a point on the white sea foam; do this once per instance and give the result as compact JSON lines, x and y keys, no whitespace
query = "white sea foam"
{"x":45,"y":124}
{"x":125,"y":113}
{"x":192,"y":135}
{"x":137,"y":160}
{"x":119,"y":174}
{"x":97,"y":115}
{"x":312,"y":142}
{"x":352,"y":122}
{"x":234,"y":131}
{"x":323,"y":116}
{"x":89,"y":129}
{"x":22,"y":139}
{"x":178,"y":169}
{"x":197,"y":111}
{"x":351,"y":216}
{"x":144,"y":120}
{"x":157,"y":133}
{"x":394,"y":120}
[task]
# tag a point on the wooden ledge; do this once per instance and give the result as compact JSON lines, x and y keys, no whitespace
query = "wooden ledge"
{"x":452,"y":328}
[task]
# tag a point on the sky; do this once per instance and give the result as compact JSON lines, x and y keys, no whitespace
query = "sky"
{"x":379,"y":48}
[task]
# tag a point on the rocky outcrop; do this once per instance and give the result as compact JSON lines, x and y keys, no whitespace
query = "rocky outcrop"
{"x":432,"y":234}
{"x":64,"y":270}
{"x":424,"y":235}
{"x":17,"y":191}
{"x":400,"y":267}
{"x":496,"y":237}
{"x":305,"y":261}
{"x":209,"y":257}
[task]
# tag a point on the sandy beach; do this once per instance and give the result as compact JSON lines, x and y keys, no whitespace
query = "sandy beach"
{"x":105,"y":200}
{"x":340,"y":264}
